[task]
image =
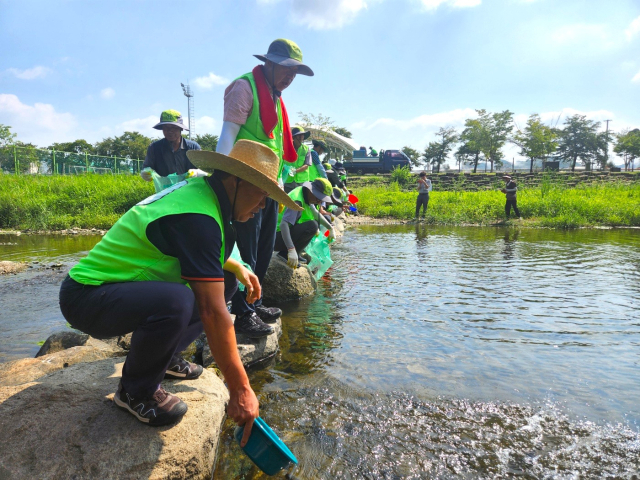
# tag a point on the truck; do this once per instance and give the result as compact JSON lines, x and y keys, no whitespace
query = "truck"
{"x":387,"y":160}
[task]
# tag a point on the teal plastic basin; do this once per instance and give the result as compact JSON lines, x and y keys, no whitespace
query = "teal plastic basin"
{"x":265,"y":448}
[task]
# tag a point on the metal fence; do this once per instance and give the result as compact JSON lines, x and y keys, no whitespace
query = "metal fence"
{"x":35,"y":161}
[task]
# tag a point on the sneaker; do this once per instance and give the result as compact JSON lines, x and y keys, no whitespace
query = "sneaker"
{"x":268,"y":314}
{"x":180,"y":368}
{"x":251,"y":326}
{"x":161,"y":408}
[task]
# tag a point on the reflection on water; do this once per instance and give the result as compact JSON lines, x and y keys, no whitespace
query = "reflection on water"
{"x":461,"y":353}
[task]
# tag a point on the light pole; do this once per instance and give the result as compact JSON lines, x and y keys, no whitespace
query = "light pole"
{"x":186,"y":89}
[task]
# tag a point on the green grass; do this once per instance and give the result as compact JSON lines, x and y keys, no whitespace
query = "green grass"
{"x":67,"y":201}
{"x":552,"y":205}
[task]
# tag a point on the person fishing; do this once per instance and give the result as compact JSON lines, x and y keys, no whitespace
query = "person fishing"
{"x":511,"y":193}
{"x":163,"y":272}
{"x":296,"y":227}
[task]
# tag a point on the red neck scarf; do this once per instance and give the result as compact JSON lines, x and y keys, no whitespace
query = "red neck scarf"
{"x":269,"y":115}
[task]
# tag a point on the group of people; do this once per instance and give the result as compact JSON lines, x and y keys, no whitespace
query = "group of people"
{"x":164,"y":271}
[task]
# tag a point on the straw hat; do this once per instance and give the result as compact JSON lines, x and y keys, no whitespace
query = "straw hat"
{"x":250,"y":161}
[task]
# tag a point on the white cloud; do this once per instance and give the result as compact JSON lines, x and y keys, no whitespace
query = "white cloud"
{"x":38,"y":123}
{"x":587,"y":36}
{"x":107,"y":93}
{"x":434,"y":4}
{"x":210,"y":81}
{"x":207,"y":125}
{"x":636,"y":78}
{"x":633,"y":29}
{"x":431,"y":121}
{"x":30,"y":73}
{"x":325,"y":15}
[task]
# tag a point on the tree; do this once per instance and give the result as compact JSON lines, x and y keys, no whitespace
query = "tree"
{"x":207,"y":141}
{"x":578,"y":140}
{"x":437,"y":152}
{"x":342,"y":131}
{"x":129,"y":145}
{"x":628,"y":146}
{"x":414,"y":156}
{"x":6,"y":136}
{"x":471,"y":138}
{"x":78,"y":146}
{"x":495,"y":130}
{"x":537,"y":141}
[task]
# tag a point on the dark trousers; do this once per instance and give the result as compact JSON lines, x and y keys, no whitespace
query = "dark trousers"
{"x":290,"y":186}
{"x":511,"y":203}
{"x":163,"y":317}
{"x":255,"y":239}
{"x":422,"y":201}
{"x":301,"y":235}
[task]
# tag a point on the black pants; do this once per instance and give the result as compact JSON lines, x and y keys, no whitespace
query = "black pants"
{"x":422,"y":201}
{"x":301,"y":235}
{"x":255,"y":239}
{"x":511,"y":203}
{"x":163,"y":317}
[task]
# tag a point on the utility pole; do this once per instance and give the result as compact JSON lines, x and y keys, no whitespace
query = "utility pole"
{"x":186,"y":89}
{"x":606,"y":152}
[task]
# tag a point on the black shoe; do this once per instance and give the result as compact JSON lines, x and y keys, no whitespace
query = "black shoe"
{"x":180,"y":368}
{"x":250,"y":325}
{"x":161,"y":408}
{"x":268,"y":314}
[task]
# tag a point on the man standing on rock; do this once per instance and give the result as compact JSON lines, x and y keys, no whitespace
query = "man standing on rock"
{"x":253,"y":109}
{"x":135,"y":280}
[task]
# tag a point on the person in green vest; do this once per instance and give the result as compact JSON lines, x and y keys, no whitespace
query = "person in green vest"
{"x":163,"y":272}
{"x":254,"y":110}
{"x":373,"y":152}
{"x":316,"y":170}
{"x":296,"y":227}
{"x":298,"y":172}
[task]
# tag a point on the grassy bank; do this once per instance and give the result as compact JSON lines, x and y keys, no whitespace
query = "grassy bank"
{"x":549,"y":205}
{"x":65,"y":201}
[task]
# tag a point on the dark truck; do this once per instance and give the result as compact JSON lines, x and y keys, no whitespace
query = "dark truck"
{"x":384,"y":163}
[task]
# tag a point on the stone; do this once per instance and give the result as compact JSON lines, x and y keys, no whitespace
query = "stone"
{"x":123,"y":341}
{"x":66,"y":426}
{"x":61,"y":341}
{"x":283,"y":283}
{"x":7,"y":267}
{"x":251,"y":350}
{"x":26,"y":370}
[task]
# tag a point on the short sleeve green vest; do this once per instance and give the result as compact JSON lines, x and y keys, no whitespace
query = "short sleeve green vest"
{"x":125,"y":254}
{"x":297,"y":195}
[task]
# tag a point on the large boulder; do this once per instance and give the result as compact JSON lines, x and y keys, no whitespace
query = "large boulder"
{"x":66,"y":426}
{"x":282,"y":283}
{"x":26,"y":370}
{"x":251,"y":350}
{"x":61,"y":341}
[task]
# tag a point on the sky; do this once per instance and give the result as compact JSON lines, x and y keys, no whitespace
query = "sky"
{"x":390,"y":71}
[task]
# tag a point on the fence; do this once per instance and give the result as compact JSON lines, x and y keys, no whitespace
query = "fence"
{"x":28,"y":160}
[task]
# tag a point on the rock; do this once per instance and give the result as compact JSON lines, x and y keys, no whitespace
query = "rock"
{"x":251,"y":350}
{"x":123,"y":342}
{"x":26,"y":370}
{"x":66,"y":426}
{"x":7,"y":267}
{"x":61,"y":341}
{"x":282,"y":283}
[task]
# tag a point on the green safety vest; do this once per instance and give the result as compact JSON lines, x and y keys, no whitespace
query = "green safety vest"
{"x":125,"y":254}
{"x":301,"y":176}
{"x":313,"y":171}
{"x":253,"y":129}
{"x":297,"y":195}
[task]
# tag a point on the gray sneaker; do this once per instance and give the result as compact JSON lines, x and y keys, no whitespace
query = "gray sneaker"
{"x":161,"y":408}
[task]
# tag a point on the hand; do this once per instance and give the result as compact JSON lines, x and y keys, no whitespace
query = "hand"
{"x":292,"y":259}
{"x":243,"y":408}
{"x":196,"y":172}
{"x":251,"y":282}
{"x":332,"y":234}
{"x":146,"y":174}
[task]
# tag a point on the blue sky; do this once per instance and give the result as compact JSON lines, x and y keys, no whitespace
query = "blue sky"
{"x":390,"y":71}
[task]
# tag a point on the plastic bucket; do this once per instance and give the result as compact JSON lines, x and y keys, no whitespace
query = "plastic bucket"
{"x":265,"y":448}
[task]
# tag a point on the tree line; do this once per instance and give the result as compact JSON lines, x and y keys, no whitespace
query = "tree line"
{"x":483,"y":138}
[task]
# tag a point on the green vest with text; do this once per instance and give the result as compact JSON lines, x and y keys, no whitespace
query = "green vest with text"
{"x":125,"y":254}
{"x":297,"y":195}
{"x":301,"y":176}
{"x":253,"y":129}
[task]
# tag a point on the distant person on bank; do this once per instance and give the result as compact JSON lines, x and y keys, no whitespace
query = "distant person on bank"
{"x":299,"y":171}
{"x":169,"y":154}
{"x":424,"y":187}
{"x":297,"y":227}
{"x":163,"y":272}
{"x":511,"y":191}
{"x":254,"y":109}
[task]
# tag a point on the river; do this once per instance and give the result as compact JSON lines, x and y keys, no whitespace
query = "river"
{"x":433,"y":352}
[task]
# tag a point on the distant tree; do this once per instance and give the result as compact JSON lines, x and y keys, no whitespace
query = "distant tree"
{"x":437,"y":152}
{"x":129,"y":145}
{"x":207,"y":141}
{"x":7,"y":137}
{"x":578,"y":140}
{"x":537,"y":141}
{"x":471,"y":138}
{"x":414,"y":156}
{"x":495,"y":128}
{"x":628,"y":146}
{"x":78,"y":146}
{"x":342,"y":131}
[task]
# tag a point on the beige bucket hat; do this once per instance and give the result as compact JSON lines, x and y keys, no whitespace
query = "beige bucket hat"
{"x":250,"y":161}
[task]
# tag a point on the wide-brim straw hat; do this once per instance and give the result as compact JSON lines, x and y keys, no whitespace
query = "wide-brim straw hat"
{"x":250,"y":161}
